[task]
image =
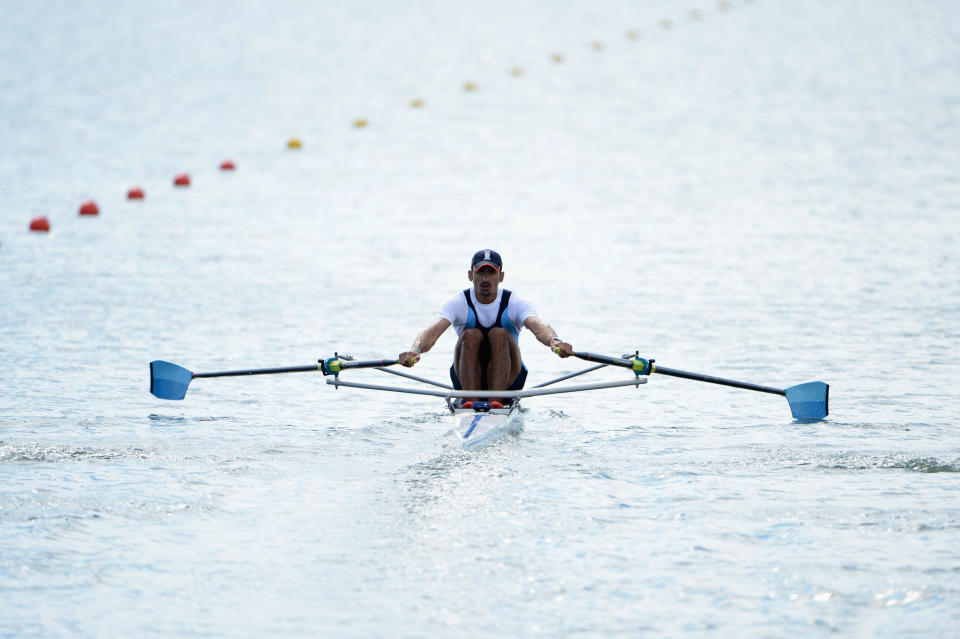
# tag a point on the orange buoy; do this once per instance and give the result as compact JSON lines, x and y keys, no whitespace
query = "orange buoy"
{"x":136,"y":193}
{"x":227,"y":165}
{"x":40,"y":223}
{"x":89,"y":208}
{"x":181,"y":179}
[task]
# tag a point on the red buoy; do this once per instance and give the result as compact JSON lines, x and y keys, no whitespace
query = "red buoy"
{"x":227,"y":165}
{"x":89,"y":208}
{"x":181,"y":179}
{"x":136,"y":193}
{"x":40,"y":223}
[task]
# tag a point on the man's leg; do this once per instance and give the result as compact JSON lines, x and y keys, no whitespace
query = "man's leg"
{"x":504,"y":359}
{"x":466,"y":362}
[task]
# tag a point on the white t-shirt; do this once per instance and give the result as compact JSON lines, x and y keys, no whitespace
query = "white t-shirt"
{"x":456,"y":311}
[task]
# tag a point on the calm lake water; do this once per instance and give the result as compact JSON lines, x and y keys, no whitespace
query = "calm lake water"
{"x":760,"y":190}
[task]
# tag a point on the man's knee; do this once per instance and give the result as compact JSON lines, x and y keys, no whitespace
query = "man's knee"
{"x":471,"y":338}
{"x":498,"y":335}
{"x":500,"y":338}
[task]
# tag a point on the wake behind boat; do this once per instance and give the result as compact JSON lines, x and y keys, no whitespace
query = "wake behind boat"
{"x":479,"y":424}
{"x":484,"y":417}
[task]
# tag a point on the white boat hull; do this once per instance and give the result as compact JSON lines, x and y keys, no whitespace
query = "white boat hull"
{"x":477,"y":429}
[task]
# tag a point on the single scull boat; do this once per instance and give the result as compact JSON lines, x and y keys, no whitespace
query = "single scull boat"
{"x":483,"y":417}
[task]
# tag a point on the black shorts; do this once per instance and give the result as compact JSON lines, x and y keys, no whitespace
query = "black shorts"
{"x":516,"y":385}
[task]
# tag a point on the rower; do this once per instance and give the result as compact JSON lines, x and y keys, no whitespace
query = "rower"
{"x":488,"y":321}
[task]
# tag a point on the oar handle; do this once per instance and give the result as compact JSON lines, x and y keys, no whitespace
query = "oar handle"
{"x":370,"y":363}
{"x":333,"y":365}
{"x":638,"y":365}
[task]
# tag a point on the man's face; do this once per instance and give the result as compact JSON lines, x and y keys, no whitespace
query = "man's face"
{"x":485,"y":283}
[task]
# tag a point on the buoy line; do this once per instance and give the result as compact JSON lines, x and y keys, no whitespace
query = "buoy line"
{"x":89,"y":208}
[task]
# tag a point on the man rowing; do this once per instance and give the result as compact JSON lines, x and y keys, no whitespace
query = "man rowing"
{"x":488,"y":321}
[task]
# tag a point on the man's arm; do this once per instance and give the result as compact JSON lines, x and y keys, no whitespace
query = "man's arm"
{"x":547,"y":336}
{"x":424,"y":342}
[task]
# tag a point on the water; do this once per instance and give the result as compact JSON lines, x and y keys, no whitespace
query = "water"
{"x":767,"y":193}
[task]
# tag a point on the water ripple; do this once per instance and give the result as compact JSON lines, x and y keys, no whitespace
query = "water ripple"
{"x":900,"y":462}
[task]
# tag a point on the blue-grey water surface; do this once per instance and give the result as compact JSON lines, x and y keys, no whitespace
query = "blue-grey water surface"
{"x":762,"y":190}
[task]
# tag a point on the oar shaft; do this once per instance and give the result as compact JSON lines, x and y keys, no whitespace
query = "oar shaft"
{"x":663,"y":370}
{"x":372,"y":363}
{"x":262,"y":371}
{"x":672,"y":372}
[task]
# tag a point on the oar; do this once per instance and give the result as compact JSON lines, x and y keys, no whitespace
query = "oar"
{"x":807,"y":401}
{"x":170,"y":381}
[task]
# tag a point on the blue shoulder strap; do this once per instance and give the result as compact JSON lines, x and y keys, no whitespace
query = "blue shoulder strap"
{"x":472,"y":321}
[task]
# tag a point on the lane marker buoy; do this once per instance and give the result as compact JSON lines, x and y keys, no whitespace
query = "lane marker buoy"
{"x":89,"y":208}
{"x":135,"y":193}
{"x":181,"y":179}
{"x":40,"y":223}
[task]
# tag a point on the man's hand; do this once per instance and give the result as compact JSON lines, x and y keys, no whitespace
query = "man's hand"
{"x":409,"y":358}
{"x":563,"y":349}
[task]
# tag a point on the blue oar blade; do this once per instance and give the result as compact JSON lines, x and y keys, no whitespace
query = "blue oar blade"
{"x":808,"y":401}
{"x":169,"y":381}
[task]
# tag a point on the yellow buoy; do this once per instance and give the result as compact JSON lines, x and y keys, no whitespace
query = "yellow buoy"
{"x":294,"y":143}
{"x":469,"y":86}
{"x":633,"y":34}
{"x":666,"y":23}
{"x":597,"y":45}
{"x":557,"y":57}
{"x":695,"y":14}
{"x":723,"y":5}
{"x":360,"y":123}
{"x":516,"y":72}
{"x":416,"y":103}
